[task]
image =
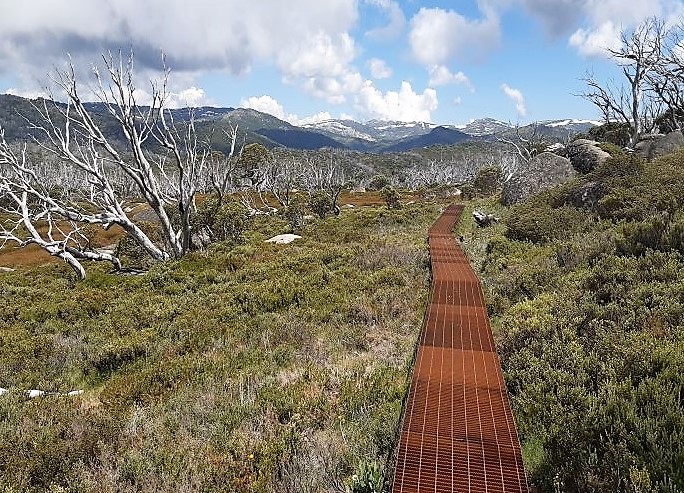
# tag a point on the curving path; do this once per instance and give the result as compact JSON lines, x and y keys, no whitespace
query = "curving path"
{"x":458,"y":432}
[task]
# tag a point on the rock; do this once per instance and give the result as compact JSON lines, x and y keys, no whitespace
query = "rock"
{"x":283,"y":239}
{"x":587,"y":196}
{"x":3,"y":391}
{"x":74,"y":393}
{"x":483,"y":219}
{"x":6,"y":270}
{"x":557,"y":148}
{"x":544,"y":171}
{"x":585,"y":155}
{"x":652,"y":146}
{"x":33,"y":393}
{"x":349,"y":206}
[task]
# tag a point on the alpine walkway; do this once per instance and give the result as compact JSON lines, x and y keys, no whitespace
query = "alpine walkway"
{"x":458,"y":432}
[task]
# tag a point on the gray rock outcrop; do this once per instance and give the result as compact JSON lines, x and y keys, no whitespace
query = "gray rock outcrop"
{"x":652,"y":146}
{"x":587,"y":195}
{"x":544,"y":171}
{"x":585,"y":155}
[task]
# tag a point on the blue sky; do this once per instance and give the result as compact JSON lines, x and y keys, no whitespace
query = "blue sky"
{"x":442,"y":61}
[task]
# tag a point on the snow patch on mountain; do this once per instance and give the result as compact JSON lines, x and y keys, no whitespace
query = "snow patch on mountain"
{"x":565,"y":123}
{"x":342,"y":128}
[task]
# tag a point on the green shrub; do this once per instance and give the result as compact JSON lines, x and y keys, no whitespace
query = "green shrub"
{"x":294,"y":214}
{"x":321,"y":204}
{"x":368,"y":478}
{"x":615,"y":133}
{"x":225,"y":221}
{"x":391,"y":197}
{"x":487,"y":181}
{"x":378,"y":182}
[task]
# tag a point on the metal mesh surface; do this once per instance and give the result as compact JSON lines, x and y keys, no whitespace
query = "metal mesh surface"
{"x":458,"y":432}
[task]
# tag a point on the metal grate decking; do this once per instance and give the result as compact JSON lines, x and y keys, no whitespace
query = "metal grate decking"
{"x":458,"y":433}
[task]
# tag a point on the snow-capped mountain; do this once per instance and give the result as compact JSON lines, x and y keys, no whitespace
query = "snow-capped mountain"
{"x":485,"y":126}
{"x":572,"y":126}
{"x":255,"y":126}
{"x":371,"y":131}
{"x":342,"y":128}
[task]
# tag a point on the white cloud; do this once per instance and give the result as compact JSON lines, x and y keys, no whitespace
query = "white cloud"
{"x":334,"y":89}
{"x":607,"y":18}
{"x":268,"y":104}
{"x":403,"y":105}
{"x":438,"y":36}
{"x":265,"y":104}
{"x":598,"y":41}
{"x":317,"y":118}
{"x":300,"y":37}
{"x":30,"y":94}
{"x":397,"y":20}
{"x":442,"y":76}
{"x":192,"y":97}
{"x":458,"y":101}
{"x":517,"y":97}
{"x":379,"y":69}
{"x":319,"y":55}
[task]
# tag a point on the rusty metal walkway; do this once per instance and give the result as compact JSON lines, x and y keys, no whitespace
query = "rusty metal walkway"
{"x":457,"y":433}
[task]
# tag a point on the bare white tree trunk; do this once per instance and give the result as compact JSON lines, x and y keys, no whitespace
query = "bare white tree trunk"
{"x":71,"y":133}
{"x":640,"y":56}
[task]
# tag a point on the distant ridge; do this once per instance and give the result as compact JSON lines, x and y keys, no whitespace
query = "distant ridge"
{"x":373,"y":136}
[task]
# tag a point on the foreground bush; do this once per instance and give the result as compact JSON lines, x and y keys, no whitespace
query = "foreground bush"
{"x":247,"y":368}
{"x":587,"y":303}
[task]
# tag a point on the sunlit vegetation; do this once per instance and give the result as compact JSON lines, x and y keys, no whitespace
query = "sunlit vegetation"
{"x":585,"y":287}
{"x":247,"y":367}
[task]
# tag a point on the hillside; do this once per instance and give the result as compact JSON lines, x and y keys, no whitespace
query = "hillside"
{"x":253,"y":126}
{"x":255,"y":367}
{"x":250,"y":367}
{"x":585,"y":284}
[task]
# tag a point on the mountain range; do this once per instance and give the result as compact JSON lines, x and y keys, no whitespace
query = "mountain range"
{"x":253,"y":126}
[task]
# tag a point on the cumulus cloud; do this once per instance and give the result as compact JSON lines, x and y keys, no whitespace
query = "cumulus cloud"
{"x":334,"y":89}
{"x":438,"y":36}
{"x":442,"y":76}
{"x":559,"y":17}
{"x":597,"y":41}
{"x":403,"y":105}
{"x":397,"y":20}
{"x":517,"y":97}
{"x":268,"y":104}
{"x":29,"y":94}
{"x":301,"y":37}
{"x":317,"y":118}
{"x":265,"y":104}
{"x":607,"y":18}
{"x":379,"y":69}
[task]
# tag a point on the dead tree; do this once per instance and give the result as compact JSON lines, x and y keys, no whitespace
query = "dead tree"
{"x":327,"y":176}
{"x":526,"y":144}
{"x":639,"y":56}
{"x":35,"y":214}
{"x":71,"y":133}
{"x":666,"y":80}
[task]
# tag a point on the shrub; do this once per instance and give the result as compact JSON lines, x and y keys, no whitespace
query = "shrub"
{"x":615,"y":133}
{"x":391,"y":197}
{"x":538,"y":224}
{"x":216,"y":221}
{"x":131,"y":253}
{"x":321,"y":204}
{"x":487,"y":181}
{"x":378,"y":182}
